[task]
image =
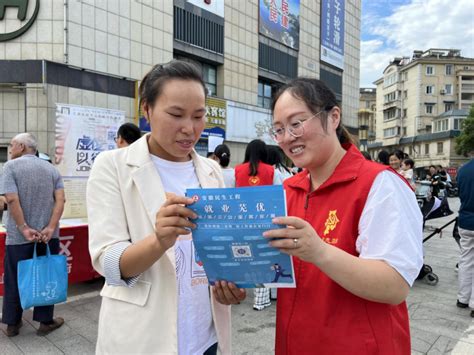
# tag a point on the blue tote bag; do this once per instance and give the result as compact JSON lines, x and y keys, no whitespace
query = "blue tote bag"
{"x":42,"y":281}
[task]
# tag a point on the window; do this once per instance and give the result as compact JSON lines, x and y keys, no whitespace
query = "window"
{"x":367,"y":104}
{"x":440,"y":126}
{"x":390,"y":97}
{"x":405,"y":131}
{"x":404,"y":113}
{"x":405,"y":94}
{"x":458,"y":124}
{"x":264,"y":94}
{"x":389,"y":80}
{"x":429,"y":108}
{"x":439,"y":149}
{"x":448,"y":89}
{"x":449,"y":69}
{"x":209,"y":74}
{"x":3,"y":154}
{"x":429,"y":89}
{"x":390,"y":114}
{"x":391,"y":132}
{"x":448,"y":107}
{"x":429,"y":70}
{"x":427,"y":149}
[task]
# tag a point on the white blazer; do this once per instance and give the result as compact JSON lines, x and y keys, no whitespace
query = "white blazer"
{"x":124,"y":193}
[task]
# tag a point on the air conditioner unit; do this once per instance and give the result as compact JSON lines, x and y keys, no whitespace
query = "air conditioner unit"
{"x":442,"y":92}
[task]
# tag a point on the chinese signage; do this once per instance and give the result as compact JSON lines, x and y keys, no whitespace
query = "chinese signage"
{"x":214,"y":6}
{"x":279,"y":20}
{"x":21,"y":7}
{"x":332,"y":32}
{"x":216,"y":118}
{"x":81,"y":134}
{"x":228,"y":237}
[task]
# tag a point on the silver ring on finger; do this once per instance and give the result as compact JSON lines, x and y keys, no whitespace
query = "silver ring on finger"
{"x":295,"y":243}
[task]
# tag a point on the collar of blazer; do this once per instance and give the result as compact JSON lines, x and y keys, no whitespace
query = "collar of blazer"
{"x":148,"y":181}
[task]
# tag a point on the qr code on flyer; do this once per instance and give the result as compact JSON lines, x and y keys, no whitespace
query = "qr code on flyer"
{"x":241,"y":251}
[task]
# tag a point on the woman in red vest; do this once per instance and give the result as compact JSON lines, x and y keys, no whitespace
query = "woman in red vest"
{"x":354,"y":230}
{"x":254,"y":172}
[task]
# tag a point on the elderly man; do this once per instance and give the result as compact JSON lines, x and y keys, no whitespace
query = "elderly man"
{"x":34,"y":192}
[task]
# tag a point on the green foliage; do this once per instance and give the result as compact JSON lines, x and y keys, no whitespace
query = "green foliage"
{"x":465,"y":141}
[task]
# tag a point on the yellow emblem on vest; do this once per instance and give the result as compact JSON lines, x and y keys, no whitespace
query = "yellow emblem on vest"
{"x":331,"y":222}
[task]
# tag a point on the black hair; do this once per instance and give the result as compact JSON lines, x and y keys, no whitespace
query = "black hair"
{"x":129,"y":132}
{"x":399,"y":154}
{"x":152,"y":83}
{"x":409,"y":162}
{"x":366,"y":155}
{"x":383,"y":157}
{"x":275,"y":157}
{"x":255,"y":153}
{"x":223,"y":153}
{"x":318,"y":97}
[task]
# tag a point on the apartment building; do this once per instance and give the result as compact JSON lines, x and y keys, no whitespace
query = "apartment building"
{"x":366,"y":116}
{"x":92,"y":53}
{"x":421,"y":102}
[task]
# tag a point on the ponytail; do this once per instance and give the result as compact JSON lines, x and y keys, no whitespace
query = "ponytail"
{"x":343,"y":135}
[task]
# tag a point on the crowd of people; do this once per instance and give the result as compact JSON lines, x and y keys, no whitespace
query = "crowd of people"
{"x":353,"y":227}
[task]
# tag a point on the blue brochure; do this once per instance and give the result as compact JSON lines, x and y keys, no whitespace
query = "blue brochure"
{"x":228,"y":238}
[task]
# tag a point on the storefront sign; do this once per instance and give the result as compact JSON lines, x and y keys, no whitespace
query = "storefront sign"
{"x":332,"y":32}
{"x":216,"y":117}
{"x":280,"y":20}
{"x":22,"y":6}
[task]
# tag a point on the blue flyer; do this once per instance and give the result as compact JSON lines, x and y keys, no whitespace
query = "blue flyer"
{"x":228,"y":238}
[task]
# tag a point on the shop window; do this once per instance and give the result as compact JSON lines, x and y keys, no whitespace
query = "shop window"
{"x":264,"y":94}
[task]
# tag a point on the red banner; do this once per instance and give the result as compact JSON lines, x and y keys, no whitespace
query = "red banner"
{"x":73,"y":244}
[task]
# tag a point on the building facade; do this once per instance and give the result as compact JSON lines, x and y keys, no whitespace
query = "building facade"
{"x":366,"y":115}
{"x":93,"y":53}
{"x":421,"y":102}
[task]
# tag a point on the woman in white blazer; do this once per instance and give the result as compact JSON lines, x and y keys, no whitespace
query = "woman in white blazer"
{"x":138,"y":229}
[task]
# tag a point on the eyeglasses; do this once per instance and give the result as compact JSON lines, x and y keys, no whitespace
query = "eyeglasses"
{"x":295,"y":129}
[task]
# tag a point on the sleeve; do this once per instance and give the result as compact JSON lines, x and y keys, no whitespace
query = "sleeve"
{"x":59,"y":184}
{"x":108,"y":229}
{"x":391,"y":226}
{"x":9,"y":183}
{"x":112,"y":273}
{"x":277,"y":177}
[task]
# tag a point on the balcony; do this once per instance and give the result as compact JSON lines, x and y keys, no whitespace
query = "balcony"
{"x":391,"y":104}
{"x":467,"y":88}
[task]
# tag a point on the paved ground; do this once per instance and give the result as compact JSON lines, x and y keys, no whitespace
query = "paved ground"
{"x":437,"y":325}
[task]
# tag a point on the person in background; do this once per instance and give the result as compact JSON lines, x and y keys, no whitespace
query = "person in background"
{"x":395,"y":160}
{"x":255,"y":172}
{"x":222,"y":156}
{"x":34,"y":192}
{"x":465,"y":179}
{"x":140,"y":230}
{"x":436,"y":179}
{"x":383,"y":157}
{"x":354,"y":230}
{"x":275,"y":158}
{"x":127,"y":134}
{"x":366,"y":155}
{"x":407,"y":171}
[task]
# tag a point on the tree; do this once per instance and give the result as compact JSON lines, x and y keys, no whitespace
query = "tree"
{"x":465,"y":141}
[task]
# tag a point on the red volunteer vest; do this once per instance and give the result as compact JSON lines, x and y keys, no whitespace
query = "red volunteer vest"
{"x":319,"y":316}
{"x":264,"y":176}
